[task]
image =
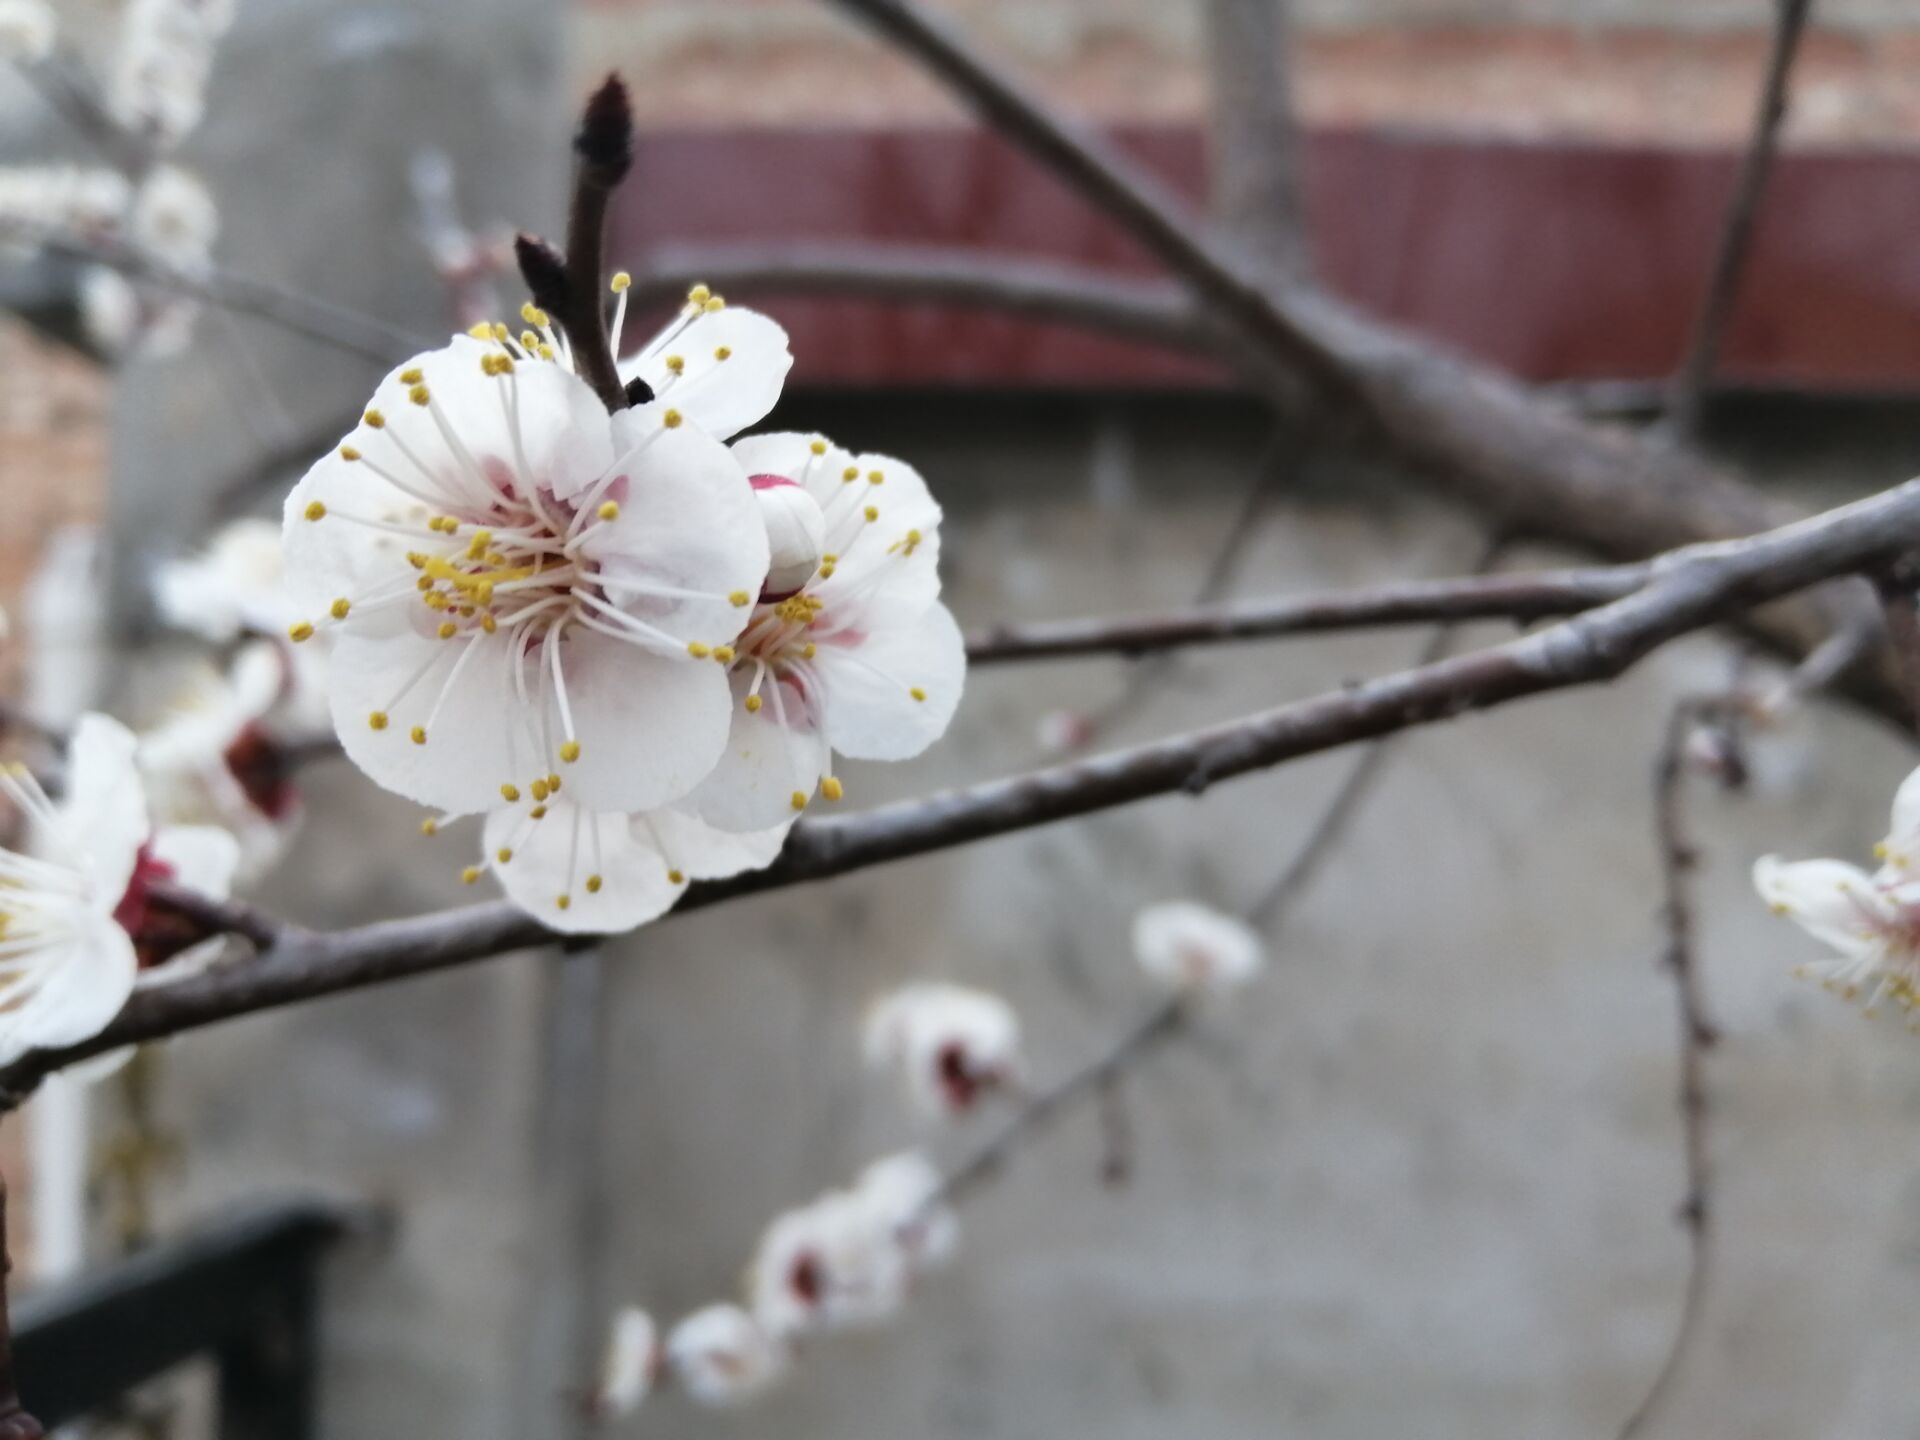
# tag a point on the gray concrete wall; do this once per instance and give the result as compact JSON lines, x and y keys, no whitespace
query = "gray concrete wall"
{"x":1421,"y":1182}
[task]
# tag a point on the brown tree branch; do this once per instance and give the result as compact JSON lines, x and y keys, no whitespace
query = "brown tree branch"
{"x":1690,"y":382}
{"x":1687,"y":591}
{"x":1696,"y":1036}
{"x":604,"y":149}
{"x":1254,"y":154}
{"x":1517,"y":597}
{"x":15,"y":1422}
{"x":1527,"y":463}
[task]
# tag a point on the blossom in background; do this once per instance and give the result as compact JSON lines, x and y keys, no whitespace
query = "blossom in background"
{"x":601,"y":873}
{"x":901,"y":1194}
{"x":948,"y":1044}
{"x":523,"y":587}
{"x":27,"y":31}
{"x":215,"y":760}
{"x":172,"y":220}
{"x":157,"y":87}
{"x":1188,"y":946}
{"x":1061,"y":732}
{"x":627,"y":1370}
{"x":1871,"y":922}
{"x":722,"y":1357}
{"x":76,"y":923}
{"x":44,"y":202}
{"x":829,"y":1265}
{"x":862,"y":660}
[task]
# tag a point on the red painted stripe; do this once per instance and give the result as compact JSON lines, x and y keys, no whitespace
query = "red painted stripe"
{"x":1553,"y":261}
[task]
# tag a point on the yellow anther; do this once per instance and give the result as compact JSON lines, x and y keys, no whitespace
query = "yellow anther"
{"x":594,"y":882}
{"x":377,"y":720}
{"x":563,"y":901}
{"x":753,"y":704}
{"x":483,"y":592}
{"x":340,"y":607}
{"x":419,"y":395}
{"x":546,"y":351}
{"x":374,"y":420}
{"x":723,"y":653}
{"x":716,"y":303}
{"x":489,"y":624}
{"x":469,"y":875}
{"x":671,"y":419}
{"x":723,"y":352}
{"x":503,"y":364}
{"x":553,"y":783}
{"x":828,"y":558}
{"x":429,"y":827}
{"x":538,"y":812}
{"x":534,"y":315}
{"x":699,"y":295}
{"x":850,"y":474}
{"x":876,"y":477}
{"x":349,"y":454}
{"x":738,"y":598}
{"x":872,"y":512}
{"x":808,"y":650}
{"x":917,"y":693}
{"x":621,"y":280}
{"x":676,"y":877}
{"x":510,"y":793}
{"x":416,"y":560}
{"x":423,"y":584}
{"x":448,"y":629}
{"x":540,"y":790}
{"x":832,"y":788}
{"x":529,"y":341}
{"x":610,"y":510}
{"x":500,"y":331}
{"x":418,"y":735}
{"x":697,"y":650}
{"x":570,"y":751}
{"x":798,"y":800}
{"x":477,"y":546}
{"x":436,"y":601}
{"x":300,"y":630}
{"x":676,"y":363}
{"x":503,"y":854}
{"x":481,"y":331}
{"x":315,"y":511}
{"x":818,"y":447}
{"x":413,"y":376}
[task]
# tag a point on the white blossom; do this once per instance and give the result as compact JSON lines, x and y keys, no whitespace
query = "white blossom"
{"x":948,"y":1044}
{"x":40,"y":202}
{"x":174,"y":218}
{"x":1189,"y":946}
{"x":74,"y":905}
{"x":237,"y":584}
{"x":1871,"y":922}
{"x":158,"y":83}
{"x":216,"y":761}
{"x":27,"y":31}
{"x":627,"y":1369}
{"x":862,"y":661}
{"x":901,"y":1192}
{"x":522,"y":586}
{"x":830,"y":1265}
{"x":599,"y":873}
{"x":721,"y":1357}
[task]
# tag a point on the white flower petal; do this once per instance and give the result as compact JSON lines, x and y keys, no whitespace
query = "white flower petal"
{"x":1185,"y":945}
{"x":770,"y":756}
{"x":721,"y":396}
{"x":892,"y":692}
{"x":203,"y":857}
{"x":561,"y":853}
{"x":81,"y":984}
{"x":721,"y":1357}
{"x":103,"y":814}
{"x":1832,"y":901}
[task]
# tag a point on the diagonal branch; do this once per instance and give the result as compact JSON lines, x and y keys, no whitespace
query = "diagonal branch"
{"x":1688,"y":591}
{"x":1689,"y":389}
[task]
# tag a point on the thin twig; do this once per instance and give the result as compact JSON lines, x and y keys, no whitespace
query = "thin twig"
{"x":1688,"y":591}
{"x":1898,"y":605}
{"x":1156,"y":1025}
{"x":1696,"y":1036}
{"x":218,"y":917}
{"x":604,"y":148}
{"x":1736,"y":232}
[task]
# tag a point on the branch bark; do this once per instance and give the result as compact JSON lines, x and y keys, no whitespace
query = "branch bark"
{"x":1736,"y":233}
{"x":1686,"y":592}
{"x":1255,"y":156}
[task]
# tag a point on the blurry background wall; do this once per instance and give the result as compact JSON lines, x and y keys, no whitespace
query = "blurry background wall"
{"x":1422,"y":1183}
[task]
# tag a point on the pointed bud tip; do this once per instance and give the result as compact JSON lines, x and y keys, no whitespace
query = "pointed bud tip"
{"x":544,"y":270}
{"x":605,"y":138}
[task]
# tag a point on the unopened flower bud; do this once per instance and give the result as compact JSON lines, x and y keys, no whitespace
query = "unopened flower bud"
{"x":796,"y":534}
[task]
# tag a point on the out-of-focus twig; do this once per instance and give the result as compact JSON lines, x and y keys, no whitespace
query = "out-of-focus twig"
{"x":1690,"y":383}
{"x":1254,"y":152}
{"x":15,"y":1422}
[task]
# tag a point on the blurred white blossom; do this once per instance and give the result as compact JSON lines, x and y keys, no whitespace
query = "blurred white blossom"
{"x":27,"y":31}
{"x":1188,"y":946}
{"x":174,"y":218}
{"x":39,"y":202}
{"x":626,"y":1370}
{"x":158,"y":85}
{"x":830,"y":1265}
{"x":901,"y":1194}
{"x":948,"y":1044}
{"x":722,"y":1357}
